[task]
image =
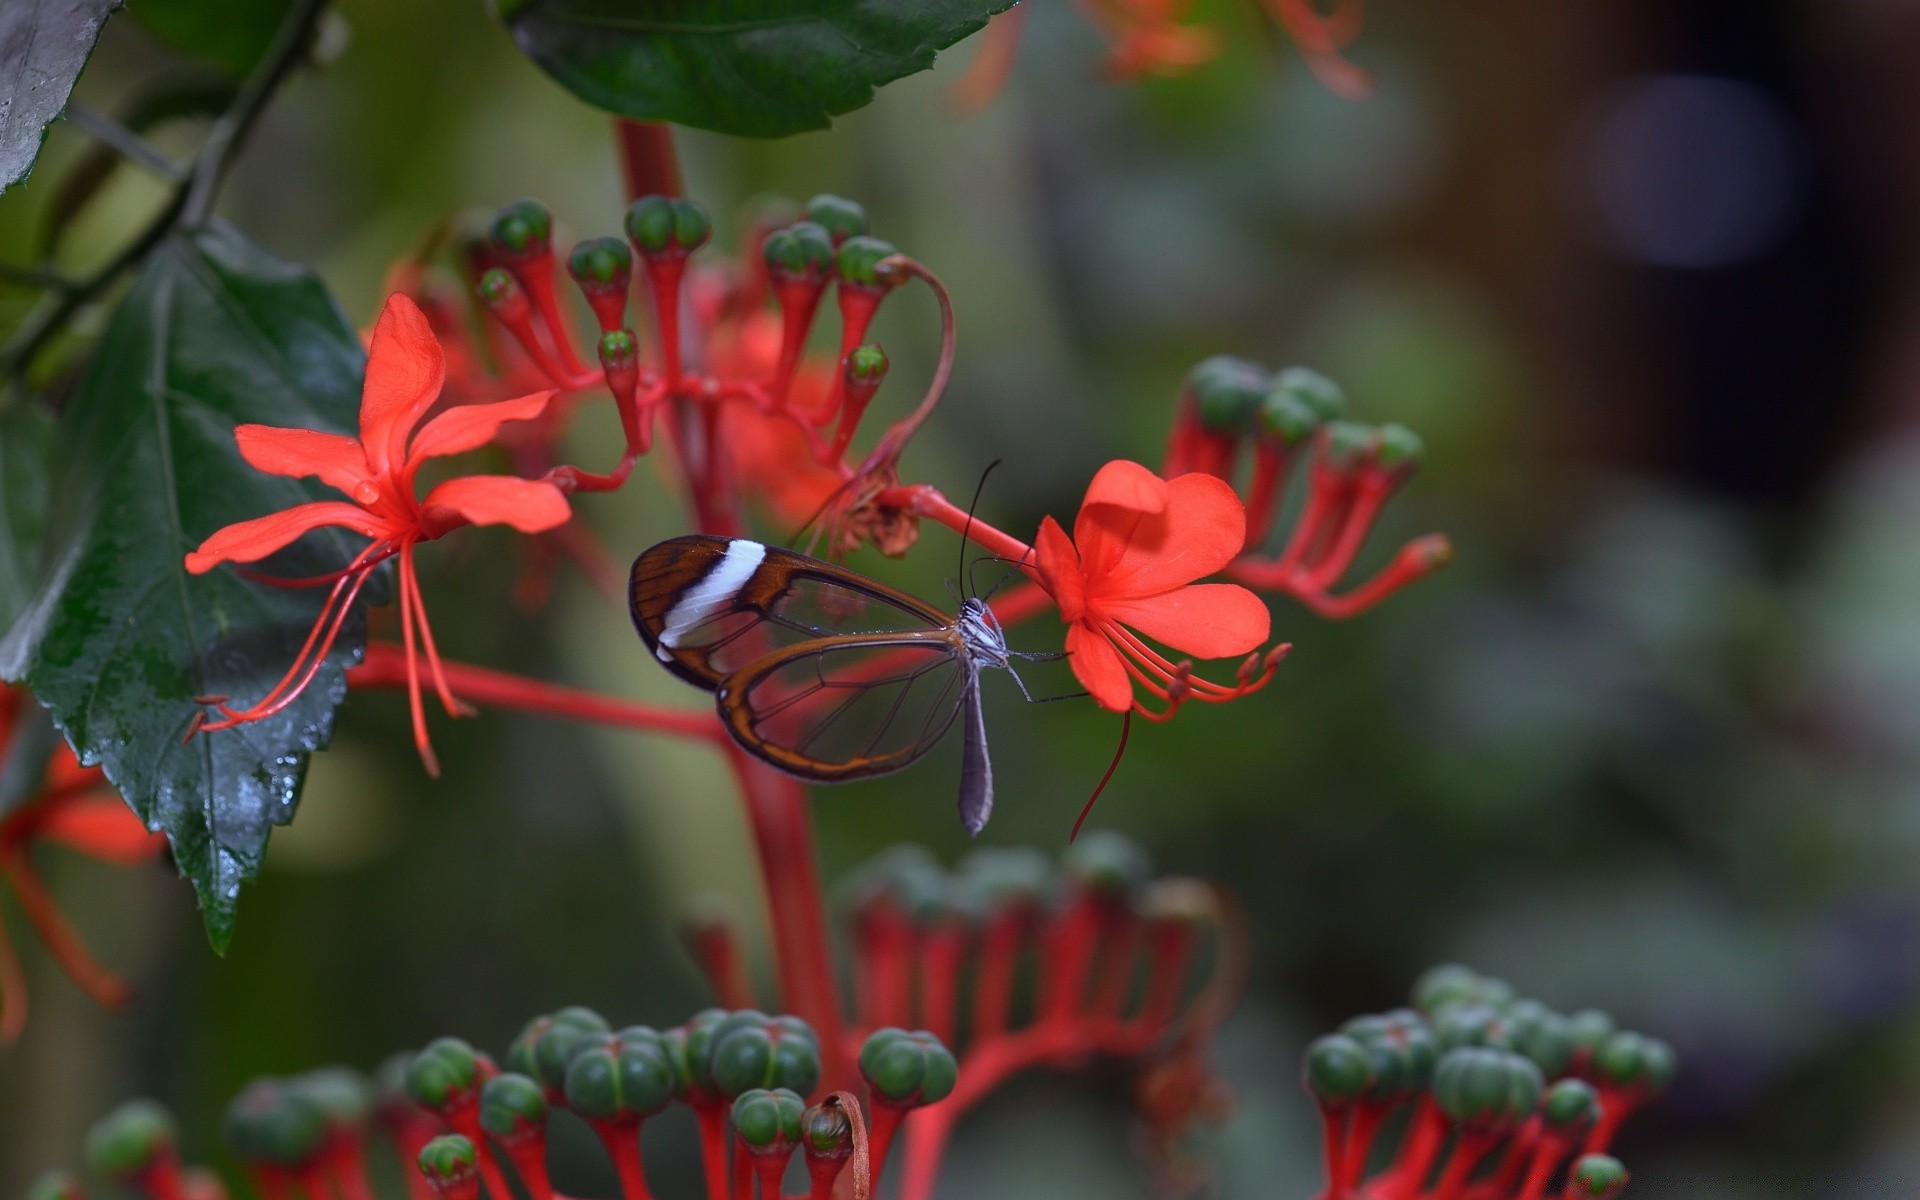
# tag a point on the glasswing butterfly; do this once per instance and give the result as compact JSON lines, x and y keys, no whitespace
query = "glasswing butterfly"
{"x":818,"y":670}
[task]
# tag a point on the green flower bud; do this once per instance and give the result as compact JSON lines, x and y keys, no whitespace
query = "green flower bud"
{"x":1344,"y":442}
{"x":448,"y":1160}
{"x":1175,"y":899}
{"x":802,"y":250}
{"x":1227,"y":392}
{"x":840,"y":217}
{"x":342,"y":1093}
{"x":56,"y":1185}
{"x":1400,"y":448}
{"x":1571,"y":1103}
{"x":753,"y":1051}
{"x":826,"y":1132}
{"x":1472,"y":1025}
{"x":907,"y":1068}
{"x":867,"y":364}
{"x":1444,"y":987}
{"x":443,"y":1073}
{"x":1108,"y":863}
{"x":524,"y":227}
{"x":1632,"y":1060}
{"x":695,"y":1046}
{"x":1477,"y":1085}
{"x":130,"y":1139}
{"x":618,"y":348}
{"x":860,"y":256}
{"x":512,"y":1106}
{"x":1287,"y":417}
{"x":547,"y":1044}
{"x":500,"y":291}
{"x":1542,"y":1035}
{"x":667,"y":225}
{"x":1589,"y":1028}
{"x":1338,"y":1070}
{"x":1318,"y":394}
{"x":1008,"y":876}
{"x":623,"y":1076}
{"x":768,"y":1121}
{"x":873,"y":880}
{"x":273,"y":1124}
{"x":602,"y":264}
{"x":1596,"y":1177}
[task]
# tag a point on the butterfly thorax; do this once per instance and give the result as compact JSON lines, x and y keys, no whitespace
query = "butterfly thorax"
{"x":980,"y":630}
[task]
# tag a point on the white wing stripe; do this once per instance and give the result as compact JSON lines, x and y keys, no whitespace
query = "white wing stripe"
{"x":713,"y":592}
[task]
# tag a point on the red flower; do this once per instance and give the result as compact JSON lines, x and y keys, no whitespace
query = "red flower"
{"x":72,"y":808}
{"x":1138,"y":545}
{"x":405,"y":372}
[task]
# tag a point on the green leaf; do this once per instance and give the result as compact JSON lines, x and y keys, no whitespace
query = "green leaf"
{"x":756,"y":68}
{"x":118,"y":639}
{"x":43,"y":45}
{"x":231,"y":35}
{"x":26,"y":438}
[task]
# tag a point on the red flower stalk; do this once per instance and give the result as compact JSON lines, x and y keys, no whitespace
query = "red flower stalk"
{"x":1138,"y":546}
{"x":405,"y":371}
{"x":71,"y":807}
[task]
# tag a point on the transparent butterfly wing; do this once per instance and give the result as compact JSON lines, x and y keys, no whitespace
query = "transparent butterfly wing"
{"x":849,"y":707}
{"x":787,"y":600}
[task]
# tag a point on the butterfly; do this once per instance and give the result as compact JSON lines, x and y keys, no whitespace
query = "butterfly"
{"x":818,"y":670}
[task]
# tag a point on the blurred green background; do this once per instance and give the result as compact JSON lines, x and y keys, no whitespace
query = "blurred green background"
{"x":1642,"y":273}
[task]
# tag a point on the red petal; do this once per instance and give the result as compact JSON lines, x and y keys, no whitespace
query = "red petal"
{"x":338,"y":461}
{"x":1096,"y":664}
{"x":1200,"y":532}
{"x":529,"y":505}
{"x":471,"y":426}
{"x":101,"y":827}
{"x":1059,"y":566}
{"x":1129,"y":485}
{"x":1206,"y":620}
{"x":251,"y":541}
{"x":405,"y":370}
{"x":1121,"y":495}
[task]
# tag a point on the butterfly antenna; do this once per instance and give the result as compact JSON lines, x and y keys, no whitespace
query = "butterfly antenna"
{"x":967,"y":530}
{"x":1126,"y":724}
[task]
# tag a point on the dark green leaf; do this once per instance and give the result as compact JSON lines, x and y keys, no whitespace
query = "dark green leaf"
{"x":232,"y":35}
{"x":43,"y":45}
{"x":26,"y":438}
{"x":118,"y":639}
{"x":757,"y":68}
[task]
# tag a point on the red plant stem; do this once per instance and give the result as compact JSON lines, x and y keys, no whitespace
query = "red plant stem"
{"x":536,"y":276}
{"x":1467,"y":1153}
{"x":161,"y":1179}
{"x":1117,"y":966}
{"x":346,"y":1160}
{"x":717,"y":951}
{"x":886,"y":966}
{"x":385,"y":667}
{"x":1068,"y":943}
{"x":529,"y":1158}
{"x":1518,"y":1153}
{"x":411,"y":1131}
{"x":857,"y":305}
{"x":942,"y":952}
{"x":1333,"y":1150}
{"x":925,"y":500}
{"x":465,"y":1121}
{"x":1172,"y":951}
{"x":768,"y":1170}
{"x":1369,"y":495}
{"x":622,"y":1140}
{"x":799,"y":300}
{"x":647,"y":158}
{"x":1270,"y":460}
{"x":1547,"y":1153}
{"x":742,"y":1171}
{"x":664,"y":273}
{"x":993,"y":984}
{"x":273,"y":1183}
{"x":13,"y":992}
{"x":710,"y":1116}
{"x":886,"y":1123}
{"x":68,"y":950}
{"x":821,"y":1173}
{"x":1417,"y":1152}
{"x":782,"y":827}
{"x":1616,"y":1105}
{"x":1367,"y":1116}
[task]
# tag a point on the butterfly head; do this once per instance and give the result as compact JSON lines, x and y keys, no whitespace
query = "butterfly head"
{"x":986,"y":642}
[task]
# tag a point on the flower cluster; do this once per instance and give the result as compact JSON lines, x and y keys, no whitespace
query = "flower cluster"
{"x":464,"y":1122}
{"x":1114,"y":954}
{"x":1158,"y":37}
{"x":47,"y":797}
{"x":1506,"y":1095}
